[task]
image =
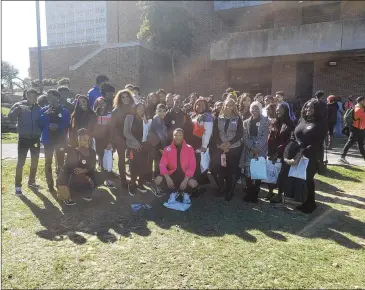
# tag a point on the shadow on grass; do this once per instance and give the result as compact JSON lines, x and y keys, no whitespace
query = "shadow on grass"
{"x":109,"y":216}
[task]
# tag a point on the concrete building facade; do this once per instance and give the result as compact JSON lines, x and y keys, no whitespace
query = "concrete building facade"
{"x":254,"y":46}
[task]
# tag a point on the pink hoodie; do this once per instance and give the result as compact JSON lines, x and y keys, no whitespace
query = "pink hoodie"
{"x":168,"y":161}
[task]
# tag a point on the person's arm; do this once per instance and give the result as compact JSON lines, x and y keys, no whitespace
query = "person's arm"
{"x":128,"y":133}
{"x":43,"y":119}
{"x":208,"y":130}
{"x":239,"y":132}
{"x":65,"y":121}
{"x":14,"y":112}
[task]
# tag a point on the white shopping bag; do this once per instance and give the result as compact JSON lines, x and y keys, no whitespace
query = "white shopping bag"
{"x":108,"y":160}
{"x":146,"y":128}
{"x":204,"y":161}
{"x":93,"y":145}
{"x":272,"y":171}
{"x":258,"y":168}
{"x":299,"y":170}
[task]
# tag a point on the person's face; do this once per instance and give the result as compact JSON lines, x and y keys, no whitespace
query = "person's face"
{"x":200,"y":107}
{"x":193,"y":99}
{"x":140,"y":110}
{"x":246,"y":102}
{"x":279,"y":112}
{"x":362,"y":103}
{"x":153,"y":99}
{"x":102,"y":105}
{"x":178,"y":103}
{"x":278,"y":98}
{"x":230,"y":104}
{"x":178,"y":137}
{"x":161,"y":113}
{"x":52,"y":100}
{"x":170,"y":101}
{"x":259,"y":99}
{"x":161,"y":97}
{"x":64,"y":95}
{"x":125,"y":99}
{"x":255,"y":112}
{"x":219,"y":106}
{"x":269,"y":101}
{"x":84,"y":141}
{"x":271,"y":112}
{"x":32,"y":98}
{"x":309,"y":110}
{"x":82,"y":104}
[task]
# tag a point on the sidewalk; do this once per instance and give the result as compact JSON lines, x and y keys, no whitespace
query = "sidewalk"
{"x":9,"y":151}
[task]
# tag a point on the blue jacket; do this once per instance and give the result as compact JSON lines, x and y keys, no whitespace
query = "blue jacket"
{"x":27,"y":117}
{"x":63,"y":124}
{"x":93,"y":94}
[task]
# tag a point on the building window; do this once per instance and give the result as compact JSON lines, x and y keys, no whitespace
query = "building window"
{"x":321,"y":13}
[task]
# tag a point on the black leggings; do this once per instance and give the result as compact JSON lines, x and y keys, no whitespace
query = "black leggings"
{"x":140,"y":166}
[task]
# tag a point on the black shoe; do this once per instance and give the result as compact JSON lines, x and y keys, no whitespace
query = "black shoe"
{"x":308,"y":208}
{"x":132,"y":188}
{"x":34,"y":185}
{"x":276,"y":199}
{"x":69,"y":202}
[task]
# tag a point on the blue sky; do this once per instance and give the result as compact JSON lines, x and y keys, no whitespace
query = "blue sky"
{"x":19,"y":32}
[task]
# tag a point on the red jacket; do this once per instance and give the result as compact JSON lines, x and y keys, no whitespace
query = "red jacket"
{"x":168,"y":161}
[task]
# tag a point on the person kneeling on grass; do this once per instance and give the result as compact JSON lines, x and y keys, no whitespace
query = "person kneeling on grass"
{"x":78,"y":174}
{"x":177,"y":168}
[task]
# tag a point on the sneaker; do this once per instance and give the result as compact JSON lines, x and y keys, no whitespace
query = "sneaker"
{"x":172,"y":198}
{"x":87,"y":198}
{"x":186,"y":198}
{"x":157,"y":190}
{"x":343,"y":160}
{"x":69,"y":202}
{"x":141,"y":188}
{"x":34,"y":185}
{"x":132,"y":189}
{"x":18,"y":191}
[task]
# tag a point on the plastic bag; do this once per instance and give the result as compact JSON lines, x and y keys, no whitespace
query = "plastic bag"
{"x":258,"y":168}
{"x":299,"y":170}
{"x":272,"y":171}
{"x":93,"y":144}
{"x":108,"y":160}
{"x":204,"y":161}
{"x":146,"y":128}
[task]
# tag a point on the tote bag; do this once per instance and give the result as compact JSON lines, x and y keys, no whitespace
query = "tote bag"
{"x":108,"y":160}
{"x":146,"y":128}
{"x":272,"y":172}
{"x":299,"y":170}
{"x":204,"y":161}
{"x":258,"y":168}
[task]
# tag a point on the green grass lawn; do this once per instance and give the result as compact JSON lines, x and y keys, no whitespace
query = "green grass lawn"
{"x":9,"y":138}
{"x":5,"y":110}
{"x":215,"y":244}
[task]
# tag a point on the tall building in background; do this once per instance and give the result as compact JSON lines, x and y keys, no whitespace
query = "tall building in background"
{"x":75,"y":22}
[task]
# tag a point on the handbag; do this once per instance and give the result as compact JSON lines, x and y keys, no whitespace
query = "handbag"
{"x":258,"y":168}
{"x":273,"y":171}
{"x":204,"y":161}
{"x":299,"y":170}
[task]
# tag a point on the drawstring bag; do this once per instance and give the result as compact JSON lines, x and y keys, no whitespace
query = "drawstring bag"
{"x":108,"y":160}
{"x":299,"y":170}
{"x":258,"y":168}
{"x":273,"y":171}
{"x":204,"y":161}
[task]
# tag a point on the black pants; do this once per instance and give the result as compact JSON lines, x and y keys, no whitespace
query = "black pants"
{"x":140,"y":166}
{"x":155,"y":156}
{"x":356,"y":135}
{"x":177,"y":177}
{"x":311,"y":172}
{"x":25,"y":144}
{"x":59,"y":149}
{"x":253,"y":187}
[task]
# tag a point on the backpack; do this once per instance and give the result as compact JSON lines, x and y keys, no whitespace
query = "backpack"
{"x":348,"y":118}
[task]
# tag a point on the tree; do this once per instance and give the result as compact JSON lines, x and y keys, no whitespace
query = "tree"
{"x":8,"y":73}
{"x":168,"y":26}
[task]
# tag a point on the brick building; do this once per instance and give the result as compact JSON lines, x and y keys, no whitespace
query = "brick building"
{"x":255,"y":46}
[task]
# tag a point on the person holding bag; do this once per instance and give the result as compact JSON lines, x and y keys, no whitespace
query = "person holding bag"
{"x":309,"y":135}
{"x":279,"y":135}
{"x":255,"y":134}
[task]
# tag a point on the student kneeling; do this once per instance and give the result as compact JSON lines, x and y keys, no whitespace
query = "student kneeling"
{"x":177,"y":168}
{"x":78,"y":174}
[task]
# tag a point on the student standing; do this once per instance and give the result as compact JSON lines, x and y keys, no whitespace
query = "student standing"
{"x":27,"y":114}
{"x":95,"y":91}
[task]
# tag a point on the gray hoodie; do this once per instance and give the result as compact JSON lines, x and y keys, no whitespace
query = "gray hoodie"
{"x":27,"y":117}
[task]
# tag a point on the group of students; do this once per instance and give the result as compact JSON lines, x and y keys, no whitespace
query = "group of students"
{"x":163,"y":138}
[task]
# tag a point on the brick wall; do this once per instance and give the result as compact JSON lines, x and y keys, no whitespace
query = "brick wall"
{"x":352,"y":9}
{"x":346,"y":78}
{"x":284,"y":78}
{"x":288,"y":17}
{"x":56,"y":62}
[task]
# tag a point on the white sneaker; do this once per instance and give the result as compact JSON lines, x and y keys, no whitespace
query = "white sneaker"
{"x":343,"y":160}
{"x":186,"y":198}
{"x":173,"y":197}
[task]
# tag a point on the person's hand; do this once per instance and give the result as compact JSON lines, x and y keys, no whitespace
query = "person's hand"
{"x":139,"y":147}
{"x":53,"y":126}
{"x":254,"y":151}
{"x":170,"y":183}
{"x":78,"y":170}
{"x":224,"y":146}
{"x":109,"y":146}
{"x":202,"y":149}
{"x":184,"y":184}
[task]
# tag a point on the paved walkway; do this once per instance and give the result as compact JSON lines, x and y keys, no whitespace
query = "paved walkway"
{"x":9,"y":151}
